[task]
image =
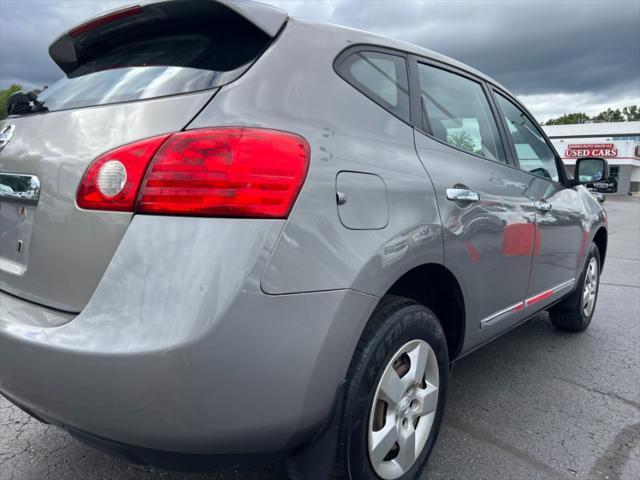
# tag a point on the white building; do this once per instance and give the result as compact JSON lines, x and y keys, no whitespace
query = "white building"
{"x":618,"y":142}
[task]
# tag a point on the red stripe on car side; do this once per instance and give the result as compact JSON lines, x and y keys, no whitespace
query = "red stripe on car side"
{"x":518,"y":307}
{"x":540,"y":296}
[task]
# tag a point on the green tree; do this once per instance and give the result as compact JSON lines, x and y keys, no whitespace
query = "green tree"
{"x":610,"y":115}
{"x":627,"y":114}
{"x":462,"y":140}
{"x":631,"y":113}
{"x":4,"y":98}
{"x":568,"y":119}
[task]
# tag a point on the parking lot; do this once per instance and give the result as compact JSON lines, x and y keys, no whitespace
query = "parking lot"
{"x":536,"y":403}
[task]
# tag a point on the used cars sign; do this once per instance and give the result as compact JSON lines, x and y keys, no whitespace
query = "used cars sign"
{"x":604,"y":150}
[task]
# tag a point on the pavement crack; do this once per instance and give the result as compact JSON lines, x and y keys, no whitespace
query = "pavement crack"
{"x":620,"y":285}
{"x":484,"y":436}
{"x":624,"y":258}
{"x":614,"y":396}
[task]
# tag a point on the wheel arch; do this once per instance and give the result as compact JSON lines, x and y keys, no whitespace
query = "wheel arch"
{"x":436,"y":287}
{"x":601,"y":239}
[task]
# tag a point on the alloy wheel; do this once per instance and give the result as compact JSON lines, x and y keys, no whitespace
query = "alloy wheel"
{"x":590,"y":288}
{"x":403,"y":409}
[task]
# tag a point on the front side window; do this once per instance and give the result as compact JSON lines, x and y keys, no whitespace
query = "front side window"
{"x":534,"y":153}
{"x":382,"y":77}
{"x":459,"y":113}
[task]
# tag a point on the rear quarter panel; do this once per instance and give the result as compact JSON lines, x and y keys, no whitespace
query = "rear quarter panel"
{"x":293,"y":87}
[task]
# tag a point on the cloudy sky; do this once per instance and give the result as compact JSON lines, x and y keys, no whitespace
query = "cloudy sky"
{"x":557,"y":56}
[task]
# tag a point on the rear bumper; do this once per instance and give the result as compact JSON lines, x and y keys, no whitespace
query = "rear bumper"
{"x":185,"y":462}
{"x":179,"y":350}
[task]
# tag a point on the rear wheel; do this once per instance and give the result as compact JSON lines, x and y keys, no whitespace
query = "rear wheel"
{"x":395,"y":394}
{"x":575,"y":312}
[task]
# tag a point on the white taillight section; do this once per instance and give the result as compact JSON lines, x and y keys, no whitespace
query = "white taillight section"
{"x":104,"y":176}
{"x":112,"y":178}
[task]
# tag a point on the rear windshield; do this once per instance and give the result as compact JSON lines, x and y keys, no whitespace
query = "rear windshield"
{"x":156,"y":65}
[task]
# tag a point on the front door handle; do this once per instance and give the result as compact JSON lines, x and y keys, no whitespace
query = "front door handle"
{"x":462,"y":195}
{"x":543,"y":206}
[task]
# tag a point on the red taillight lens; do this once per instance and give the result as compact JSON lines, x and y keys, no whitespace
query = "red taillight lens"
{"x":106,"y":19}
{"x":233,"y":172}
{"x":243,"y":172}
{"x":93,"y":194}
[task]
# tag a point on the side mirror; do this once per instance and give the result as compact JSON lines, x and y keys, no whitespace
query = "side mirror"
{"x":590,"y":170}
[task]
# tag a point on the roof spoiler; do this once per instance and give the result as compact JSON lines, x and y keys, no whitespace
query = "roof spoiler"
{"x":68,"y":49}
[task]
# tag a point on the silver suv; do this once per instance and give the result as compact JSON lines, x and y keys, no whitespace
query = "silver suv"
{"x":230,"y":235}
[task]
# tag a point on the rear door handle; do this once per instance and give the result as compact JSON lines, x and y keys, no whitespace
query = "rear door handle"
{"x":462,"y":195}
{"x":543,"y":206}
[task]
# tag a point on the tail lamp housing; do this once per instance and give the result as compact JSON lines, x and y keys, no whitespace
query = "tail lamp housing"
{"x":230,"y":172}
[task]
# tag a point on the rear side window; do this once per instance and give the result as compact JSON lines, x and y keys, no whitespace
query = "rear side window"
{"x":534,"y":153}
{"x":382,"y":77}
{"x":157,"y":61}
{"x":458,"y":113}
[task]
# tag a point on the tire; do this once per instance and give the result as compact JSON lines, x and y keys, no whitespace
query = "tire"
{"x":572,"y":314}
{"x":407,"y":332}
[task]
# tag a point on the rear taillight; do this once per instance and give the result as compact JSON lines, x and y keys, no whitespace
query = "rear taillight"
{"x":233,"y":172}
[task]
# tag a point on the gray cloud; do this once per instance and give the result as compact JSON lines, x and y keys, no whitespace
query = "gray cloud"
{"x":28,"y":27}
{"x":532,"y":47}
{"x":583,"y":52}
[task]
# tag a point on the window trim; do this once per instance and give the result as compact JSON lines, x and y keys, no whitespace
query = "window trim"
{"x":416,"y":117}
{"x":421,"y":122}
{"x":562,"y":174}
{"x":338,"y":67}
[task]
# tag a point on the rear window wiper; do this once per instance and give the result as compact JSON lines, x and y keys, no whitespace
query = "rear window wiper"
{"x":25,"y":102}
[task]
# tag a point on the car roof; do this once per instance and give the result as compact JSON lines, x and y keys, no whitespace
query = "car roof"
{"x":357,"y":36}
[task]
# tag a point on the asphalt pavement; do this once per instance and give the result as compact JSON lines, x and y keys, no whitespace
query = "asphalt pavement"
{"x":536,"y":403}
